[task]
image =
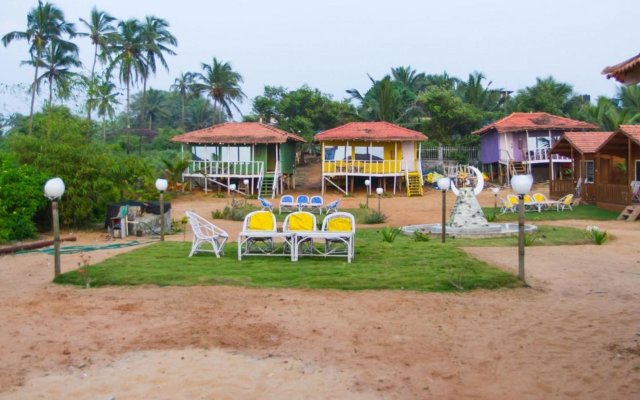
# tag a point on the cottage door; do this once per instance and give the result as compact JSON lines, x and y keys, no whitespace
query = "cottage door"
{"x":409,"y":156}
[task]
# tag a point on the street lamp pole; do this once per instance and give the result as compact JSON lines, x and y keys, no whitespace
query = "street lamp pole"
{"x":495,"y":190}
{"x":521,"y":185}
{"x":443,"y":185}
{"x":379,"y":191}
{"x":161,"y":185}
{"x":53,"y":190}
{"x":367,"y":184}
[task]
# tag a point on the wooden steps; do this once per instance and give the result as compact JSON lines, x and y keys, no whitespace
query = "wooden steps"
{"x":630,"y":213}
{"x":517,"y":168}
{"x":266,"y":190}
{"x":414,"y":184}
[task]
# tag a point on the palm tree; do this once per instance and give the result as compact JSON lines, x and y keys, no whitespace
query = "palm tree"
{"x":220,"y":82}
{"x":156,"y":40}
{"x":630,"y":98}
{"x":57,"y":58}
{"x":407,"y":76}
{"x":157,"y":106}
{"x":386,"y":100}
{"x":100,"y":30}
{"x":475,"y":93}
{"x":105,"y":100}
{"x":184,"y":86}
{"x":128,"y":54}
{"x":45,"y":23}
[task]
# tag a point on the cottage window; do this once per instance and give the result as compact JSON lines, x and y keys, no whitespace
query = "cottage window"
{"x":236,"y":154}
{"x":637,"y":170}
{"x":337,"y":153}
{"x":589,"y":171}
{"x":208,"y":153}
{"x":366,"y":153}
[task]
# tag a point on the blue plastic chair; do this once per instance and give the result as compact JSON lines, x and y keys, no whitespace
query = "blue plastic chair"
{"x":332,"y":207}
{"x":316,"y":204}
{"x":287,"y":204}
{"x":302,"y":202}
{"x":266,"y":205}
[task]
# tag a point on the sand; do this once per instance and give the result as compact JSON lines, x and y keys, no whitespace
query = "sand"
{"x":574,"y":334}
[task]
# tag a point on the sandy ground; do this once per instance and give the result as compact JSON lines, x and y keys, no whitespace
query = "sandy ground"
{"x":574,"y":334}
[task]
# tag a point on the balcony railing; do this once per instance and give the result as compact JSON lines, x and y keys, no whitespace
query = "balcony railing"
{"x":364,"y":168}
{"x":225,"y":168}
{"x":537,"y":155}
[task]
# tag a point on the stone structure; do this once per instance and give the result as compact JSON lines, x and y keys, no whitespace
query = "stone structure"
{"x":467,"y":213}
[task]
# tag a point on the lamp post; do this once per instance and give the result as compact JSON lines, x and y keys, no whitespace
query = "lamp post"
{"x":367,"y":184}
{"x":379,"y":191}
{"x":521,"y":185}
{"x":233,"y":188}
{"x":53,"y":190}
{"x":161,"y":185}
{"x":495,"y":190}
{"x":246,"y":185}
{"x":443,"y":185}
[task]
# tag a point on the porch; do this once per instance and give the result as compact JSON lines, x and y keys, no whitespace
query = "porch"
{"x":222,"y":173}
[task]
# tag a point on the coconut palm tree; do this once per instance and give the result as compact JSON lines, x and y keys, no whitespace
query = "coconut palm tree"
{"x":100,"y":29}
{"x":184,"y":86}
{"x":128,"y":57}
{"x":105,"y":100}
{"x":630,"y":98}
{"x":56,"y":61}
{"x":407,"y":76}
{"x":45,"y":23}
{"x":220,"y":82}
{"x":156,"y":40}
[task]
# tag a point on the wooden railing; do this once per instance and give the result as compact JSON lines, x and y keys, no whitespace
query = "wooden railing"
{"x":543,"y":155}
{"x":614,"y":194}
{"x":224,"y":168}
{"x":444,"y":152}
{"x":559,"y":188}
{"x":386,"y":167}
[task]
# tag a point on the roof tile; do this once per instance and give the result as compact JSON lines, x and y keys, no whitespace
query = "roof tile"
{"x":587,"y":142}
{"x":371,"y":131}
{"x":520,"y":121}
{"x":237,"y":132}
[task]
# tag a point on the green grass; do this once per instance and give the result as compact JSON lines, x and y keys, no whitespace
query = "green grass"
{"x":546,"y":236}
{"x":402,"y":265}
{"x":579,"y":212}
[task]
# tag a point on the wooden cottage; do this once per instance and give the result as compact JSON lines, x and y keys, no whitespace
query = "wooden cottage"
{"x":519,"y":143}
{"x":580,"y":148}
{"x":380,"y":152}
{"x":626,"y":72}
{"x":239,"y":152}
{"x":617,"y":166}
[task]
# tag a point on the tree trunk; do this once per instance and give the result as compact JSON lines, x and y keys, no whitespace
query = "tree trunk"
{"x":183,"y":126}
{"x":128,"y":119}
{"x":104,"y":129}
{"x":144,"y":93}
{"x":93,"y":82}
{"x":33,"y":94}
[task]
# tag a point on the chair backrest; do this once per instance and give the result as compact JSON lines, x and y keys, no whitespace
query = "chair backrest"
{"x":300,"y":221}
{"x":635,"y":187}
{"x":528,"y":199}
{"x":512,"y":198}
{"x":265,"y":203}
{"x":286,"y":199}
{"x":566,"y":200}
{"x":123,"y":212}
{"x":539,"y":197}
{"x":334,"y":204}
{"x":302,"y":199}
{"x":506,"y":204}
{"x":317,"y":200}
{"x":261,"y":220}
{"x":201,"y":227}
{"x":339,"y":222}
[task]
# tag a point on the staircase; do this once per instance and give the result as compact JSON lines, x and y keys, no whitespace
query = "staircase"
{"x":517,"y":168}
{"x":414,"y":184}
{"x":266,"y":190}
{"x":630,"y":213}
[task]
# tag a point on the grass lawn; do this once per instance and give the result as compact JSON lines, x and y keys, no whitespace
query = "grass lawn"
{"x":404,"y":265}
{"x":545,"y":236}
{"x":583,"y":211}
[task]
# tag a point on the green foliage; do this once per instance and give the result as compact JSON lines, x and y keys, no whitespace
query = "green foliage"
{"x":406,"y":265}
{"x":547,"y":95}
{"x":234,"y":212}
{"x":421,"y":236}
{"x":389,"y":234}
{"x":531,"y":238}
{"x":597,"y":235}
{"x":583,"y":211}
{"x":21,"y":196}
{"x":375,"y":217}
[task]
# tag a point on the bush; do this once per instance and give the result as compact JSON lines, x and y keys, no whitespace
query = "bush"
{"x":21,"y":196}
{"x":389,"y":234}
{"x":597,"y":235}
{"x":421,"y":236}
{"x":375,"y":218}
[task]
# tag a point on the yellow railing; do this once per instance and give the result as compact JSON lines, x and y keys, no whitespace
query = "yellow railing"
{"x":363,"y":167}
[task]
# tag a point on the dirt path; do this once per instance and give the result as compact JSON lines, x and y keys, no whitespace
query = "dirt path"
{"x":573,"y":335}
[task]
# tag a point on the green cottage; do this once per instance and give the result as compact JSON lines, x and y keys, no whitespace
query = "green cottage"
{"x":257,"y":158}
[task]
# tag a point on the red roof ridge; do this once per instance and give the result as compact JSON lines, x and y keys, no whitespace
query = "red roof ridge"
{"x":371,"y":130}
{"x":237,"y":132}
{"x":518,"y":121}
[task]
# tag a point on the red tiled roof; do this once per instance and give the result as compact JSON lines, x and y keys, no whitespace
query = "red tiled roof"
{"x":633,"y":131}
{"x":586,"y":142}
{"x":627,"y":71}
{"x":371,"y":131}
{"x":237,"y":132}
{"x":520,"y":121}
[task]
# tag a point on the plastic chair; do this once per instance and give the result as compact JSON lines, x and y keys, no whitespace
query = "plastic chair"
{"x":302,"y":201}
{"x":204,"y":232}
{"x":332,"y":207}
{"x":566,"y":202}
{"x":258,"y":231}
{"x":266,"y":205}
{"x":507,"y":206}
{"x":287,"y":204}
{"x":316,"y":203}
{"x":343,"y":226}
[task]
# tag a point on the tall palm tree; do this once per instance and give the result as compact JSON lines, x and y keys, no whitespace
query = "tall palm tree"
{"x":106,"y":99}
{"x":45,"y":23}
{"x":220,"y":82}
{"x":184,"y":85}
{"x":475,"y":93}
{"x":157,"y":106}
{"x":100,"y":29}
{"x":128,"y":57}
{"x":156,"y":40}
{"x":56,"y":61}
{"x":630,"y":98}
{"x":407,"y":76}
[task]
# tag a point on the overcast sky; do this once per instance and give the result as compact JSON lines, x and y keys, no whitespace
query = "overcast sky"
{"x":333,"y":44}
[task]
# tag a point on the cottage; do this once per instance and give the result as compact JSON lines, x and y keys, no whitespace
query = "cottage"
{"x":375,"y":151}
{"x":580,"y":148}
{"x":626,"y":72}
{"x":617,"y":166}
{"x":519,"y":143}
{"x":238,"y":152}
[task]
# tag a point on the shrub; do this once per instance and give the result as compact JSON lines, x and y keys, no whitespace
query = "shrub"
{"x":375,"y":218}
{"x":421,"y":236}
{"x":531,"y":238}
{"x":389,"y":234}
{"x":597,"y":235}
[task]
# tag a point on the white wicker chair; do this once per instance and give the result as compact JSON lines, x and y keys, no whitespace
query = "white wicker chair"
{"x":204,"y":232}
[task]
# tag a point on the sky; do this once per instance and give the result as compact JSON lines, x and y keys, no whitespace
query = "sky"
{"x":333,"y":45}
